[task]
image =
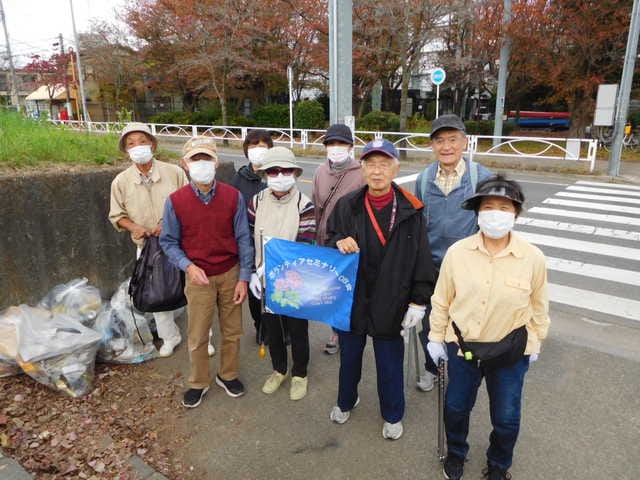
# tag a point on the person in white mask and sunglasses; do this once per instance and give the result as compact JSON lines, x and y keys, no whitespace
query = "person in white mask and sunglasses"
{"x":282,"y":211}
{"x":490,"y":314}
{"x":333,"y":179}
{"x":137,"y":201}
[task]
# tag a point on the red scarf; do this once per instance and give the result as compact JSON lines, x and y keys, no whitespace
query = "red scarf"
{"x":382,"y":201}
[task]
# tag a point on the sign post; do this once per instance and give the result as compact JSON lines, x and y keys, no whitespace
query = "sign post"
{"x":438,"y":77}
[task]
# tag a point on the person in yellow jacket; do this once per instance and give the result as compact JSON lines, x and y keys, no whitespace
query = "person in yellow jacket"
{"x":491,"y":296}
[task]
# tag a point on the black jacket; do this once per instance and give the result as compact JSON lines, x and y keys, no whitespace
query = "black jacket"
{"x":248,"y":182}
{"x":406,"y":272}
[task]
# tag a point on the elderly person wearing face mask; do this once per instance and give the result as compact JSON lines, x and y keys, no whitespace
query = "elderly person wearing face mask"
{"x":384,"y":222}
{"x":333,"y":179}
{"x":491,"y":293}
{"x":137,"y":202}
{"x":249,"y":181}
{"x":282,"y":211}
{"x":206,"y":234}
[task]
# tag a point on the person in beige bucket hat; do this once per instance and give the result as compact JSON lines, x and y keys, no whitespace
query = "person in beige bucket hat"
{"x":137,"y":202}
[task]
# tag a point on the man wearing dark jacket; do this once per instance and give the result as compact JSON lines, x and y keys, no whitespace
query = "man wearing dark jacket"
{"x":249,"y":181}
{"x":395,"y":280}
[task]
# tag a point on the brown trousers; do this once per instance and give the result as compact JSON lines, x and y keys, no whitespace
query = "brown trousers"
{"x":201,"y":306}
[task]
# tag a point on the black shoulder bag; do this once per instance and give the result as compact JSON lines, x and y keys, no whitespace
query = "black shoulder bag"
{"x":156,"y":284}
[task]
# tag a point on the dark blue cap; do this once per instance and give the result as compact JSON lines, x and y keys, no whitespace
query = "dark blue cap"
{"x":380,"y":145}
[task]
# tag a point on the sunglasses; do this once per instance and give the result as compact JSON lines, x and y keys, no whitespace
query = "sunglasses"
{"x":273,"y":172}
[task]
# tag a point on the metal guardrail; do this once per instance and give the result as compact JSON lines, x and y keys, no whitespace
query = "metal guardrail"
{"x":571,"y":149}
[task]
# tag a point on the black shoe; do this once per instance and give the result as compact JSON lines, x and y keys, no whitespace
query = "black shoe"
{"x":453,"y":467}
{"x":193,"y":397}
{"x":493,"y":472}
{"x":234,"y":388}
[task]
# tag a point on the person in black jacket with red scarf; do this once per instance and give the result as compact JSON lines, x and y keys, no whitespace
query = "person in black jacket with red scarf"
{"x":384,"y":222}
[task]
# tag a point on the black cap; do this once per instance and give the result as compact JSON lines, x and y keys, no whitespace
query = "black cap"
{"x":447,"y":121}
{"x":338,"y":132}
{"x":496,"y":186}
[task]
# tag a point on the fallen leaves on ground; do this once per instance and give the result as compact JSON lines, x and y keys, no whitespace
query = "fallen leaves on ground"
{"x":131,"y":411}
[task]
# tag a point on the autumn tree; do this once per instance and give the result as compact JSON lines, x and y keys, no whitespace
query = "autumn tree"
{"x":571,"y":47}
{"x":49,"y":72}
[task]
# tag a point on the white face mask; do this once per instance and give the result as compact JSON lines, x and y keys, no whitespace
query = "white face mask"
{"x":338,"y":154}
{"x":202,"y":171}
{"x":256,"y":155}
{"x":496,"y":223}
{"x":281,"y":183}
{"x":140,"y":154}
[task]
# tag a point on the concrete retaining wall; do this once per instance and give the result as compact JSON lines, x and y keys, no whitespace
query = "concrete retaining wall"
{"x":54,"y":228}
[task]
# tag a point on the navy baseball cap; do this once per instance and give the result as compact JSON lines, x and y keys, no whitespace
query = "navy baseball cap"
{"x":380,"y":145}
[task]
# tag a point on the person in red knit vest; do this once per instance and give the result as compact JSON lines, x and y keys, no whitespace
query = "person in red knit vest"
{"x":206,"y":234}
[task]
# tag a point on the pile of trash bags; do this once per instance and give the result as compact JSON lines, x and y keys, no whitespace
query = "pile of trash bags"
{"x":58,"y":342}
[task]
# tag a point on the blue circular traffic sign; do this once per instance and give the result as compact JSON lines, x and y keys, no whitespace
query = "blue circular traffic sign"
{"x":438,"y":76}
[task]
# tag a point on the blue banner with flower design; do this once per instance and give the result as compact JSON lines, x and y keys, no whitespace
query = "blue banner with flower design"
{"x":309,"y":282}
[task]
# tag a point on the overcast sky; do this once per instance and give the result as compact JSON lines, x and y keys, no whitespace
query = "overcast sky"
{"x":34,"y":25}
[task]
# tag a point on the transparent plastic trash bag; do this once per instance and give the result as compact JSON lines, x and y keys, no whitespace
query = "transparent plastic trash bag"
{"x":9,"y":342}
{"x":76,"y":298}
{"x":57,"y":351}
{"x":126,"y":336}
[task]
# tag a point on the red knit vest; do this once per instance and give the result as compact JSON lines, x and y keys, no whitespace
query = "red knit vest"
{"x":207,"y":232}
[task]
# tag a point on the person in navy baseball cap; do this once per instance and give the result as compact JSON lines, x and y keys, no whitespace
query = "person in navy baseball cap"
{"x":380,"y":145}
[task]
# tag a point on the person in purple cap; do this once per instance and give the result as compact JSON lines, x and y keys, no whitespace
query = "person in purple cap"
{"x":383,"y":222}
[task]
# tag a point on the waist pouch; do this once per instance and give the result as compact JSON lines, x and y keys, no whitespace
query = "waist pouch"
{"x":492,"y":355}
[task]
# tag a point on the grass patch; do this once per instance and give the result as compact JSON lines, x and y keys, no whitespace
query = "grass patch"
{"x":25,"y":142}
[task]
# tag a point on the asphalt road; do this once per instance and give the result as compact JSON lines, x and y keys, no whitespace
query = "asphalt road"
{"x":581,"y":408}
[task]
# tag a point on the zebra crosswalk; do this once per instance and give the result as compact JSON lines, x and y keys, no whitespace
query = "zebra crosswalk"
{"x":590,"y":234}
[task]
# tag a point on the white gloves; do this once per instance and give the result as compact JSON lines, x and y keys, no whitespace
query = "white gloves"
{"x":533,"y":358}
{"x":437,"y":351}
{"x":411,"y":318}
{"x":414,"y":314}
{"x":255,"y":285}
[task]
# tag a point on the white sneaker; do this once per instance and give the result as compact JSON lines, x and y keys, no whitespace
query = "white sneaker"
{"x":340,"y":417}
{"x":168,"y":345}
{"x":426,"y":382}
{"x":392,"y":431}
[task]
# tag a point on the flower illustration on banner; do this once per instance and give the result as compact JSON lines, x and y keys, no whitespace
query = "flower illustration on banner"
{"x":286,"y":289}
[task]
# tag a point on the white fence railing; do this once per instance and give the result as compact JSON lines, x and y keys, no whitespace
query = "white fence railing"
{"x":571,"y":149}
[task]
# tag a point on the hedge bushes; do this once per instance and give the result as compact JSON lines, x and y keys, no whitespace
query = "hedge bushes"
{"x":309,"y":114}
{"x":380,"y":121}
{"x":485,"y":127}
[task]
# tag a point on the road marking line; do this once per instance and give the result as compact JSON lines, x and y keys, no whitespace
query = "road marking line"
{"x":542,"y":183}
{"x":582,"y":246}
{"x":579,"y":228}
{"x":593,"y":205}
{"x":600,"y":217}
{"x":595,"y":271}
{"x":629,"y":193}
{"x":604,"y":198}
{"x":599,"y":302}
{"x":610,"y":185}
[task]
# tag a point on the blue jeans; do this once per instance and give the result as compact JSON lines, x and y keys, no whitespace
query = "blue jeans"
{"x":389,"y":368}
{"x":504,"y":386}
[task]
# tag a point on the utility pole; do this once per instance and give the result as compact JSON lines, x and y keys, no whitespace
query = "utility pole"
{"x":622,"y":102}
{"x":85,"y":112}
{"x":15,"y":100}
{"x":66,"y":78}
{"x":505,"y":51}
{"x":340,"y":62}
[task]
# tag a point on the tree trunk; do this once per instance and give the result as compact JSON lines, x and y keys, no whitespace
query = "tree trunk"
{"x":581,"y":114}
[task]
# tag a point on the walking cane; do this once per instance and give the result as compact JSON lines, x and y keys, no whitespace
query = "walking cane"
{"x":262,"y":352}
{"x":441,"y":386}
